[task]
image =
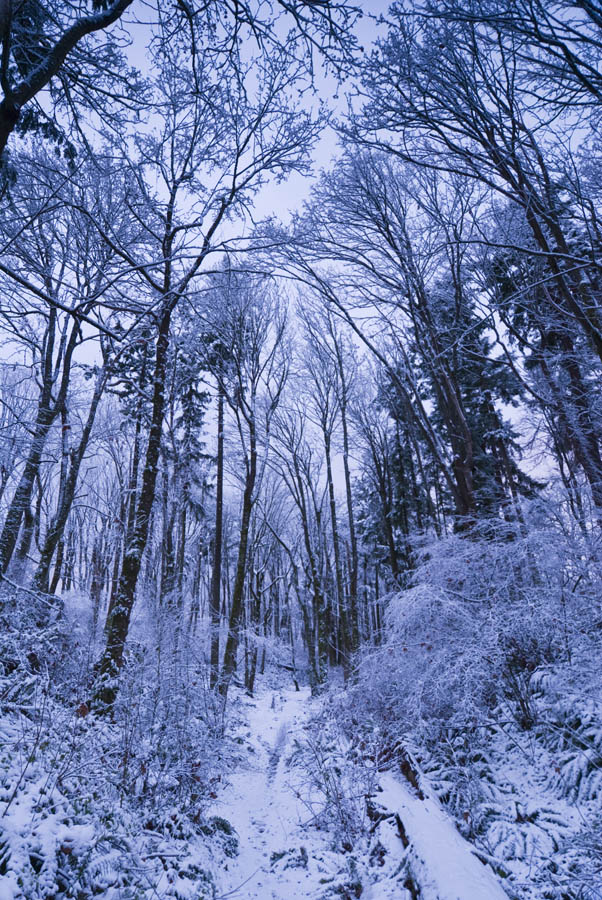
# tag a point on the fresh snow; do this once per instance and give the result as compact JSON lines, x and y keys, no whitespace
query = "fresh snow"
{"x":263,"y":801}
{"x":282,"y":856}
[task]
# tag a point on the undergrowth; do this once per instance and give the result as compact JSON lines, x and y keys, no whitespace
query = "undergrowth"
{"x":104,"y":806}
{"x":490,"y":680}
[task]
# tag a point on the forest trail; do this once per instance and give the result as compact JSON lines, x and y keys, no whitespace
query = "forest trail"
{"x":278,"y":858}
{"x":281,"y":857}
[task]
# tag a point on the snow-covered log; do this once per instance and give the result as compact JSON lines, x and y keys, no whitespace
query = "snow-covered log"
{"x":442,"y":863}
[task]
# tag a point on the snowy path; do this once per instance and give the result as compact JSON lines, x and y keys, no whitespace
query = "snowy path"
{"x":261,"y":803}
{"x":282,"y":858}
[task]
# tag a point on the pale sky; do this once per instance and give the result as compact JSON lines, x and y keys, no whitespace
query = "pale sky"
{"x":284,"y":199}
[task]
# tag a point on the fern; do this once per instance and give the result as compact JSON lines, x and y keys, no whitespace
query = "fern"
{"x":573,"y":733}
{"x":462,"y":775}
{"x":4,"y":857}
{"x":521,"y":831}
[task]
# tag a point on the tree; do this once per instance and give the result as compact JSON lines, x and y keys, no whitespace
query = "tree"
{"x":331,"y":370}
{"x":68,"y":485}
{"x":560,"y":373}
{"x":48,"y":46}
{"x":319,"y":376}
{"x":216,"y":574}
{"x":37,"y":39}
{"x":214,"y":144}
{"x":252,"y":325}
{"x":299,"y":467}
{"x":556,"y":49}
{"x":395,"y":270}
{"x":68,"y":271}
{"x":438,"y":95}
{"x":217,"y":360}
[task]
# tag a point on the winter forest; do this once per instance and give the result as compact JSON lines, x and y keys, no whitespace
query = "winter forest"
{"x":300,"y":449}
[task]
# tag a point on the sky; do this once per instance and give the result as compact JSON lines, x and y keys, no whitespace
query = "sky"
{"x":279,"y":200}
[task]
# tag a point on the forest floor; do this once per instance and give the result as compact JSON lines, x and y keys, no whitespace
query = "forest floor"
{"x":286,"y":854}
{"x":281,"y":857}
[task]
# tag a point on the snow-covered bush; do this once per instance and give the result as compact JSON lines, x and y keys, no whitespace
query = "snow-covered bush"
{"x":94,"y":805}
{"x":338,"y":780}
{"x":490,"y":676}
{"x":572,"y":732}
{"x":481,"y":617}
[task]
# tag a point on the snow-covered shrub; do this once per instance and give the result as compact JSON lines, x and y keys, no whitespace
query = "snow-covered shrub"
{"x":338,"y":780}
{"x":104,"y":806}
{"x":462,"y":772}
{"x":55,"y":845}
{"x":572,"y":731}
{"x":481,"y":617}
{"x":575,"y":871}
{"x":36,"y":646}
{"x":163,"y":744}
{"x":490,"y":677}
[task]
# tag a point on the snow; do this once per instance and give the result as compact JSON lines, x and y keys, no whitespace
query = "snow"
{"x":282,"y":857}
{"x":442,"y":862}
{"x":279,"y":858}
{"x":287,"y":848}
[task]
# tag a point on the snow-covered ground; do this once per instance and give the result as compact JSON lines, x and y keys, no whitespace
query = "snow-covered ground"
{"x":283,"y":856}
{"x":280,"y":855}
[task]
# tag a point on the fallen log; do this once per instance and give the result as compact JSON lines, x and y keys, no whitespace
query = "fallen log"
{"x":442,"y":864}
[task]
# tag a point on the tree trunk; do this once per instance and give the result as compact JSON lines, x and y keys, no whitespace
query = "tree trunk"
{"x":122,"y":604}
{"x":347,"y":641}
{"x":353,"y":569}
{"x":22,"y":497}
{"x":229,"y":666}
{"x":255,"y":619}
{"x":57,"y":528}
{"x":58,"y":566}
{"x":48,"y":409}
{"x":216,"y":574}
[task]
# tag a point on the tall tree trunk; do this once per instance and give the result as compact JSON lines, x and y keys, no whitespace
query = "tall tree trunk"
{"x":167,"y":566}
{"x":216,"y":574}
{"x":22,"y":551}
{"x":121,"y":608}
{"x":181,"y":545}
{"x":48,"y":409}
{"x":254,"y":621}
{"x":21,"y":500}
{"x":347,"y":639}
{"x":98,"y":565}
{"x":354,"y":564}
{"x":57,"y":528}
{"x":317,"y":639}
{"x":236,"y":610}
{"x":58,"y":566}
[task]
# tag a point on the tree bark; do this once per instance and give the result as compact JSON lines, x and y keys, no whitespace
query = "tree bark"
{"x":347,"y":640}
{"x":48,"y":409}
{"x":236,"y":610}
{"x":216,"y":574}
{"x":122,"y":604}
{"x":57,"y":528}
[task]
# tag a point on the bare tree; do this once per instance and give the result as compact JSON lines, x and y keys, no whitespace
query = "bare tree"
{"x":252,"y":325}
{"x":438,"y":96}
{"x":318,"y":382}
{"x":46,"y":312}
{"x":296,"y":462}
{"x":36,"y":42}
{"x":213,"y":147}
{"x":397,"y":275}
{"x":49,"y":46}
